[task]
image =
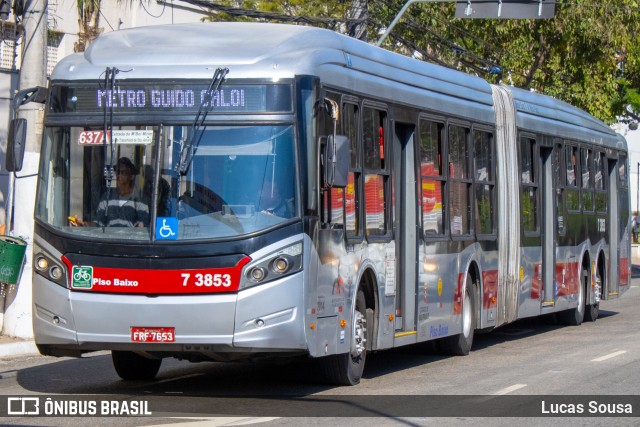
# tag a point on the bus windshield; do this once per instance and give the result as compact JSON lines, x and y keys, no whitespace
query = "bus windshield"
{"x":240,"y":181}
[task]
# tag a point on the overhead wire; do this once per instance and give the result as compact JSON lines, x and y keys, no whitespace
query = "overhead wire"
{"x":437,"y":39}
{"x":256,"y":14}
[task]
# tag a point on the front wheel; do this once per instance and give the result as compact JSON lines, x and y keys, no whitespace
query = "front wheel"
{"x":132,"y":366}
{"x":460,"y":345}
{"x":347,"y":368}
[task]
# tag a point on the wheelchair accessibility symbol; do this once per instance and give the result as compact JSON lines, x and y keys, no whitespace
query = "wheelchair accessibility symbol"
{"x":166,"y":228}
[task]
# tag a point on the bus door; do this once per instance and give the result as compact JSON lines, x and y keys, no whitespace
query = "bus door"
{"x":615,"y":228}
{"x":550,"y":164}
{"x":407,"y":220}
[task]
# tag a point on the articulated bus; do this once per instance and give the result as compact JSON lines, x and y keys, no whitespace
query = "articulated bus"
{"x":417,"y":203}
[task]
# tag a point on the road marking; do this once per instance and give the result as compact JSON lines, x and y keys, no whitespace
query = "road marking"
{"x":609,"y":356}
{"x":509,"y":389}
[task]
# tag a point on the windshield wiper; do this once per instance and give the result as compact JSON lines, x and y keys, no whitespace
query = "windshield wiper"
{"x":110,"y":85}
{"x":191,"y":144}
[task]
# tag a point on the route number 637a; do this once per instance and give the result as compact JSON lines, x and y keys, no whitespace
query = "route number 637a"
{"x":207,"y":280}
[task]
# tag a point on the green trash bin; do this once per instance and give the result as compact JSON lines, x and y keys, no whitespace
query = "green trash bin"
{"x":12,"y":252}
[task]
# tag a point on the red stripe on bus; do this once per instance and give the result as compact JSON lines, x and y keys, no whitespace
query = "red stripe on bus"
{"x":179,"y":281}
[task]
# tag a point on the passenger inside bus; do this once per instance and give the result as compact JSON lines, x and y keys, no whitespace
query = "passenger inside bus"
{"x":122,"y":206}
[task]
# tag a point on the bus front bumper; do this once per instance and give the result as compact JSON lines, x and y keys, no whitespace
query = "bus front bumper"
{"x":262,"y":319}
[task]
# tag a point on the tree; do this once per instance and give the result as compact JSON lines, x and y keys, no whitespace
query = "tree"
{"x":88,"y":23}
{"x":587,"y":55}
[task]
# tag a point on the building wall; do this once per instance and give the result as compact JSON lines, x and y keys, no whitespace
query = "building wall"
{"x":633,"y":140}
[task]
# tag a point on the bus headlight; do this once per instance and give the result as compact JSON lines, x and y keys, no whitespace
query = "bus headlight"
{"x":274,"y":266}
{"x":46,"y":266}
{"x":257,"y":274}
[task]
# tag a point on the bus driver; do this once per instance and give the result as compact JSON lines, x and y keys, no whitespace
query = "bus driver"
{"x":123,"y":207}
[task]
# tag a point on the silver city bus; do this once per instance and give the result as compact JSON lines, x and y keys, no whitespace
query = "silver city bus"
{"x":223,"y":191}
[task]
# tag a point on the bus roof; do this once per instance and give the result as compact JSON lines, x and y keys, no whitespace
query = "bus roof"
{"x":256,"y":50}
{"x":278,"y":51}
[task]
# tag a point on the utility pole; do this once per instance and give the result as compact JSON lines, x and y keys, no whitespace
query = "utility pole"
{"x":33,"y":72}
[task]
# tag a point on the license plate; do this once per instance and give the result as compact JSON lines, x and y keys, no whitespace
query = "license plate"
{"x":152,"y":334}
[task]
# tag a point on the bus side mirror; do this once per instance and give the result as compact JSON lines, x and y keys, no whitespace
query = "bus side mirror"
{"x":16,"y":144}
{"x":336,"y":159}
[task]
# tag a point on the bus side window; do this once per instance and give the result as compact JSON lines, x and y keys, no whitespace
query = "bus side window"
{"x":460,"y":181}
{"x":352,"y":196}
{"x":484,"y":182}
{"x":376,"y":186}
{"x":432,"y":180}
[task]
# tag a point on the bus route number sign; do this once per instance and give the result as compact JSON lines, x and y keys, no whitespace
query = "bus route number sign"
{"x":152,"y":334}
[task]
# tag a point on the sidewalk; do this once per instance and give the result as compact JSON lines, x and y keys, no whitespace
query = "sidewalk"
{"x":10,"y":346}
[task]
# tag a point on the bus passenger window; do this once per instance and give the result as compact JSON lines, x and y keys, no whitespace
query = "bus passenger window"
{"x":432,"y":185}
{"x":351,"y":194}
{"x":376,"y":176}
{"x":572,"y":192}
{"x":529,"y":179}
{"x":484,"y":181}
{"x":599,"y":177}
{"x":585,"y":167}
{"x":374,"y":122}
{"x":460,"y":181}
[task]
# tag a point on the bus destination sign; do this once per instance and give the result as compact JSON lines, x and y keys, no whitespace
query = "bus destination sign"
{"x":131,"y":97}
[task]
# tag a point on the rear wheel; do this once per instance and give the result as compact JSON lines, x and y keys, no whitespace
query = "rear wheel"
{"x":460,"y":345}
{"x":575,"y":316}
{"x":347,"y":368}
{"x":132,"y":366}
{"x":593,"y":310}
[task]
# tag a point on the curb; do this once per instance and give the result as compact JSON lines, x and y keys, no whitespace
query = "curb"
{"x":18,"y":348}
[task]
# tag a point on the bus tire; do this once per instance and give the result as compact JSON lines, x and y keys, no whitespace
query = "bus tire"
{"x":460,"y":345}
{"x":132,"y":366}
{"x":593,"y":310}
{"x":575,"y":316}
{"x":347,"y":368}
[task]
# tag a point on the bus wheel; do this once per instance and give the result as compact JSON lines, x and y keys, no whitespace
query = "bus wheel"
{"x":460,"y":345}
{"x":575,"y":316}
{"x":347,"y":368}
{"x":132,"y":366}
{"x":592,"y":310}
